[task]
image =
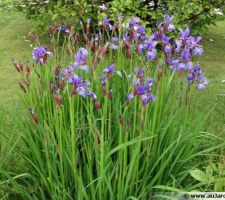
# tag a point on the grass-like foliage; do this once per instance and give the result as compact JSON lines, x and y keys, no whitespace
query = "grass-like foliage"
{"x":115,"y":123}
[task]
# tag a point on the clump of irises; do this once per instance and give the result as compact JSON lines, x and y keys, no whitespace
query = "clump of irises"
{"x":178,"y":48}
{"x":109,"y":109}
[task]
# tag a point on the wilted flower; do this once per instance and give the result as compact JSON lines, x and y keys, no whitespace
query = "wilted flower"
{"x":103,"y":7}
{"x":34,"y":116}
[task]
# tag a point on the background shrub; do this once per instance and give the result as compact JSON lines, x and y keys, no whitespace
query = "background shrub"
{"x":197,"y":13}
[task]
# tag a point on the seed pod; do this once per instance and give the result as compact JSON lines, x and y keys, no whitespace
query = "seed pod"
{"x":58,"y":100}
{"x":110,"y":95}
{"x":121,"y":120}
{"x":103,"y":50}
{"x":98,"y":105}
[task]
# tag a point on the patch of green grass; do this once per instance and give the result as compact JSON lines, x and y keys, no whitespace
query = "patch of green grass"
{"x":12,"y":45}
{"x":213,"y":64}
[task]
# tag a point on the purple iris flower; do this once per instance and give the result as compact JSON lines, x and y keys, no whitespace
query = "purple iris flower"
{"x":80,"y":59}
{"x":201,"y":86}
{"x":126,"y":37}
{"x":196,"y":76}
{"x":190,"y":78}
{"x":103,"y":80}
{"x":203,"y":80}
{"x":143,"y":39}
{"x":92,"y":95}
{"x":106,"y":23}
{"x":81,"y":90}
{"x":198,"y":51}
{"x":141,"y":30}
{"x":149,"y":82}
{"x":157,"y":36}
{"x":168,"y":19}
{"x":174,"y":63}
{"x":193,"y":42}
{"x":139,"y":72}
{"x":165,"y":39}
{"x":40,"y":54}
{"x":63,"y":28}
{"x":167,"y":48}
{"x":81,"y":56}
{"x":182,"y":66}
{"x":186,"y":55}
{"x":67,"y":72}
{"x":139,"y":49}
{"x":189,"y":65}
{"x":150,"y":47}
{"x":151,"y":44}
{"x":141,"y":89}
{"x":130,"y":97}
{"x":150,"y":55}
{"x":114,"y":43}
{"x":114,"y":40}
{"x":178,"y":45}
{"x":84,"y":68}
{"x":184,"y":33}
{"x":134,"y":21}
{"x":109,"y":69}
{"x":147,"y":97}
{"x":197,"y":70}
{"x":75,"y":80}
{"x":171,"y":27}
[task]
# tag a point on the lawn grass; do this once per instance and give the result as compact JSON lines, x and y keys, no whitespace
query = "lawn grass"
{"x":12,"y":45}
{"x":213,"y":64}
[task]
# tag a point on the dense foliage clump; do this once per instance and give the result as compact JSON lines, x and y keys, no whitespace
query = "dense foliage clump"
{"x":109,"y":115}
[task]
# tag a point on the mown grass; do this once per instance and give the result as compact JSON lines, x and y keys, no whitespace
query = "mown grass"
{"x":213,"y":62}
{"x":14,"y":27}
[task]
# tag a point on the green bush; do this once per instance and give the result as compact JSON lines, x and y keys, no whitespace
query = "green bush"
{"x":199,"y":14}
